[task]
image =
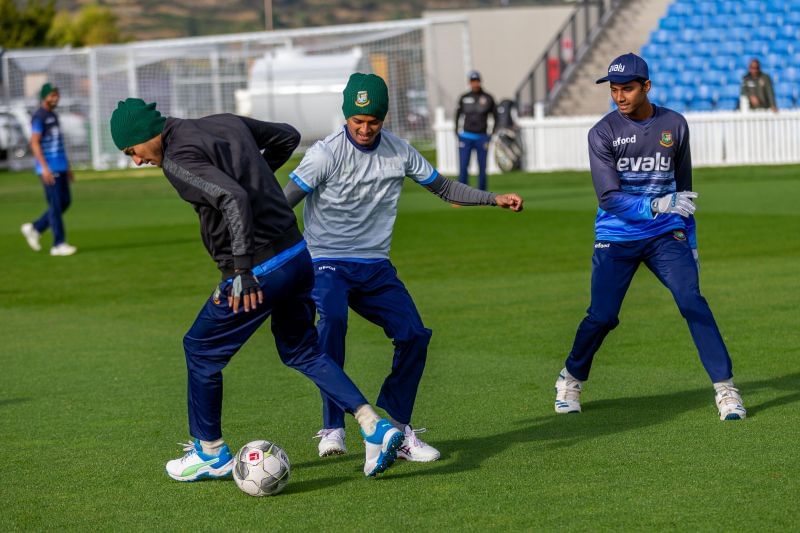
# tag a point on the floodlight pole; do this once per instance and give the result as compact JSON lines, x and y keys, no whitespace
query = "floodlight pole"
{"x":268,"y":15}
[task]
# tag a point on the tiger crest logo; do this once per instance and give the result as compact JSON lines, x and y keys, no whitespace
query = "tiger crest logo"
{"x":362,"y":99}
{"x":666,"y":139}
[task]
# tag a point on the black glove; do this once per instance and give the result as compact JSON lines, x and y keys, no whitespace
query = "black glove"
{"x":244,"y":282}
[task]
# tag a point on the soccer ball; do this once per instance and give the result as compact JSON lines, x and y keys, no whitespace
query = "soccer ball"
{"x":261,"y":468}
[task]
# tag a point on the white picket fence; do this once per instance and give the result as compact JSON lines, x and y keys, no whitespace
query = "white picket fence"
{"x":717,"y":139}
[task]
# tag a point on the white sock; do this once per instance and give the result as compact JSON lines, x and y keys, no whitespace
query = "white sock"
{"x":367,"y":418}
{"x":726,"y":383}
{"x":568,"y":375}
{"x":212,"y":447}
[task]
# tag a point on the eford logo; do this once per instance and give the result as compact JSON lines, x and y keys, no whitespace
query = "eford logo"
{"x":619,"y":141}
{"x":617,"y":67}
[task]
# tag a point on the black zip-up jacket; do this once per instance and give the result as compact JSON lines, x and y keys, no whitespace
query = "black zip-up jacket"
{"x":476,"y":108}
{"x":215,"y":163}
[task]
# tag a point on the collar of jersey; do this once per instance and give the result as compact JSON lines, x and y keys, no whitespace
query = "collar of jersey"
{"x":365,"y":149}
{"x":645,"y":122}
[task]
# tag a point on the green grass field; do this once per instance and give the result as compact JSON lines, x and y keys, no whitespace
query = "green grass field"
{"x":92,"y":392}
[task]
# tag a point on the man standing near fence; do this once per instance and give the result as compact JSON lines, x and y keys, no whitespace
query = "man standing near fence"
{"x":642,"y":174}
{"x":352,"y":182}
{"x":52,"y":166}
{"x":475,"y":107}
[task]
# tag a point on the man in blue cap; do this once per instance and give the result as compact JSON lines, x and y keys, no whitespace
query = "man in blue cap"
{"x":642,"y":174}
{"x":475,"y":106}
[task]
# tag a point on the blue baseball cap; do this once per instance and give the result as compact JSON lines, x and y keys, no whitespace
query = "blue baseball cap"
{"x":626,"y":68}
{"x":474,"y":75}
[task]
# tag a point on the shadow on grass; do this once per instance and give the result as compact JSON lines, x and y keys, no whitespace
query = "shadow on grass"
{"x":12,"y":401}
{"x":111,"y":247}
{"x":600,"y":418}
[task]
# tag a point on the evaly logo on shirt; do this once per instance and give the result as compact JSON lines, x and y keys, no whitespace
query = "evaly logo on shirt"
{"x":644,"y":164}
{"x":618,"y":67}
{"x":666,"y":139}
{"x":362,"y":99}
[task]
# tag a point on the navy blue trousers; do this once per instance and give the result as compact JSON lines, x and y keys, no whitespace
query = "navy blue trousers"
{"x":466,"y":144}
{"x":373,"y":291}
{"x":218,"y":333}
{"x":58,"y":200}
{"x":670,"y":258}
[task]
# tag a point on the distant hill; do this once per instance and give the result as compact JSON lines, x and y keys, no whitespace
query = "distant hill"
{"x":156,"y":19}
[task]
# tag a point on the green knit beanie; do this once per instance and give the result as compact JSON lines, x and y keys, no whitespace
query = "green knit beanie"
{"x":366,"y":94}
{"x":47,"y":88}
{"x":134,"y":122}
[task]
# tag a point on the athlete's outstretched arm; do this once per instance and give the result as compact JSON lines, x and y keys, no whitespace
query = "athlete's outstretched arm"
{"x":277,"y":140}
{"x":455,"y":192}
{"x":294,"y":194}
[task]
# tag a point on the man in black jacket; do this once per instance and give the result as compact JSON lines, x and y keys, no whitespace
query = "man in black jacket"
{"x":217,"y":165}
{"x":475,"y":107}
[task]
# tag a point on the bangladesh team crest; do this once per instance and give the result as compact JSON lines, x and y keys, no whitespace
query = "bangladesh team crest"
{"x":362,"y":99}
{"x":679,"y":235}
{"x":666,"y":139}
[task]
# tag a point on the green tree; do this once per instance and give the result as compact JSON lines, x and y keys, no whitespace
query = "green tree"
{"x":91,"y":25}
{"x":26,"y":26}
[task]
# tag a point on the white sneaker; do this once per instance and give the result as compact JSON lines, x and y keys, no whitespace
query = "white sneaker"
{"x":63,"y":249}
{"x":331,"y":442}
{"x":196,"y":465}
{"x":414,"y":449}
{"x":568,"y":393}
{"x":32,"y":236}
{"x":729,"y":402}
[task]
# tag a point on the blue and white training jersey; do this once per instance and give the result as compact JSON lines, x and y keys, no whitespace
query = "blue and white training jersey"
{"x":353,"y":192}
{"x":45,"y":123}
{"x":634,"y":162}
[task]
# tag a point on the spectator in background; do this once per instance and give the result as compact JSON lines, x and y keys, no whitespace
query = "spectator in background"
{"x":52,"y":166}
{"x":757,"y":87}
{"x":475,"y":106}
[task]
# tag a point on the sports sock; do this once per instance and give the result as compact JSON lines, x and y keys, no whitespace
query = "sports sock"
{"x":720,"y":384}
{"x":212,"y":447}
{"x":367,"y":418}
{"x":568,"y":375}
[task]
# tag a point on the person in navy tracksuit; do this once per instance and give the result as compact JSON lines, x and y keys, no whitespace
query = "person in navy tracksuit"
{"x":475,"y":106}
{"x":642,"y":173}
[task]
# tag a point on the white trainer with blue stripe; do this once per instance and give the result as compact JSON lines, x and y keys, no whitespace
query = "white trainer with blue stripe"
{"x":196,"y":465}
{"x":381,"y":447}
{"x":568,"y":393}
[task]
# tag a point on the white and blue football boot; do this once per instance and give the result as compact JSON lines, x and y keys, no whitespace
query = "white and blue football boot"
{"x":196,"y":465}
{"x":729,"y":402}
{"x":381,"y":447}
{"x":568,"y":393}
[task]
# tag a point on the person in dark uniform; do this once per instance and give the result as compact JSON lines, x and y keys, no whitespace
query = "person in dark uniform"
{"x":216,"y":164}
{"x":475,"y":106}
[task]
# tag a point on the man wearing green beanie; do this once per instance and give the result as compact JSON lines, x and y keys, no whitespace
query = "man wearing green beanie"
{"x":224,"y":166}
{"x":52,"y":166}
{"x":356,"y":175}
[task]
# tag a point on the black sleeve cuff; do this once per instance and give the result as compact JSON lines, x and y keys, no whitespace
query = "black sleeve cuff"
{"x":242,"y":262}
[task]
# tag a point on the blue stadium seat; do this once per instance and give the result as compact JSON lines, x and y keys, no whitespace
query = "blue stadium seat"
{"x":754,"y":6}
{"x":765,"y":33}
{"x":729,"y":91}
{"x":786,"y":89}
{"x":793,"y":17}
{"x":774,"y":19}
{"x":705,"y":92}
{"x":680,"y":9}
{"x":715,"y":77}
{"x":661,"y":36}
{"x":791,"y":74}
{"x":697,"y":63}
{"x":776,"y":6}
{"x":701,"y":105}
{"x":748,"y":19}
{"x":652,"y":51}
{"x":681,"y":49}
{"x":788,"y":31}
{"x":671,"y":23}
{"x":687,"y":77}
{"x":713,"y":35}
{"x":689,"y":35}
{"x":706,"y":8}
{"x":730,"y":7}
{"x":675,"y":105}
{"x":731,"y":48}
{"x":783,"y":47}
{"x":697,"y":22}
{"x":738,"y":33}
{"x":756,"y":48}
{"x":671,"y":64}
{"x":774,"y":61}
{"x":792,"y":5}
{"x":727,"y":104}
{"x":796,"y":60}
{"x":784,"y":103}
{"x":707,"y":49}
{"x":723,"y":62}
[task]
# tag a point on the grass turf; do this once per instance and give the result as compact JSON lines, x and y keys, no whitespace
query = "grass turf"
{"x":92,"y":393}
